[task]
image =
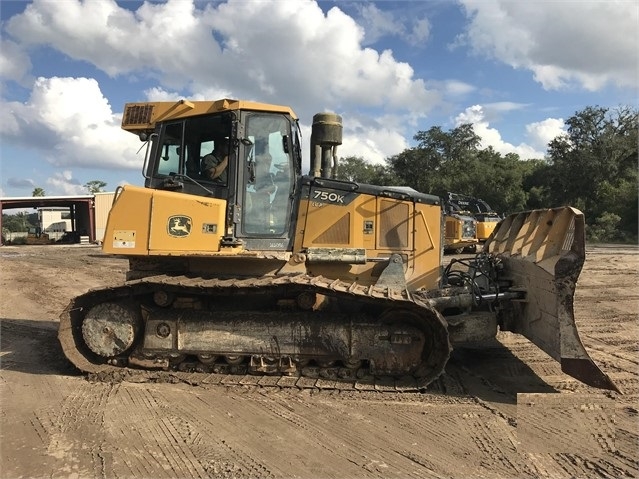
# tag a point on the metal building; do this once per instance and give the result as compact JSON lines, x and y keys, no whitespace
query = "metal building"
{"x":88,"y":213}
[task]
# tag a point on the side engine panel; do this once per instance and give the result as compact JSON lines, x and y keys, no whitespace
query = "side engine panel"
{"x":349,"y":231}
{"x":176,"y":223}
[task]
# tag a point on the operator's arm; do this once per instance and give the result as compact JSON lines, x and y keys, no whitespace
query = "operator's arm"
{"x":219,"y":168}
{"x":212,"y":168}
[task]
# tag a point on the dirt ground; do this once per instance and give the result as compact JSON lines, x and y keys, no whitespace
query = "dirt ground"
{"x":504,"y":412}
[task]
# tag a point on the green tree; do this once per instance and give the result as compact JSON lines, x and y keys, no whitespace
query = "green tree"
{"x":604,"y":227}
{"x":535,"y":183}
{"x":18,"y":222}
{"x":494,"y":178}
{"x":38,"y":192}
{"x":95,"y":186}
{"x":408,"y":167}
{"x":594,"y":167}
{"x":439,"y":156}
{"x":453,"y":145}
{"x":356,"y":169}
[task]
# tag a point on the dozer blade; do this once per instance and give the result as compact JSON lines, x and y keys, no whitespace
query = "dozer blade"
{"x":543,"y":252}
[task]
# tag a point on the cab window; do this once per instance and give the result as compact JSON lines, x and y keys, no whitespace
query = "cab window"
{"x":268,"y":181}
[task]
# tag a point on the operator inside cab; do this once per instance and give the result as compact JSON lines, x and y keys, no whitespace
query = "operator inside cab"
{"x":248,"y":158}
{"x":214,"y":165}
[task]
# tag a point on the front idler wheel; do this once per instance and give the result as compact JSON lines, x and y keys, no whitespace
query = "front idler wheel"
{"x":110,"y":329}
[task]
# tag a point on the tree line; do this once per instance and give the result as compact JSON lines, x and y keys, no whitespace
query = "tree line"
{"x":593,"y":167}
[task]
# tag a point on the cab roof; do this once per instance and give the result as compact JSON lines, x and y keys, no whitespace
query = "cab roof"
{"x":142,"y":117}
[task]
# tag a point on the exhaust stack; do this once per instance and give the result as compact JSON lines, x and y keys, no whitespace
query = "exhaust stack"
{"x":326,"y":135}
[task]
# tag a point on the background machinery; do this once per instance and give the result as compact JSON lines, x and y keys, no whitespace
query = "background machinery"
{"x":485,"y":216}
{"x":287,"y":275}
{"x":460,"y":232}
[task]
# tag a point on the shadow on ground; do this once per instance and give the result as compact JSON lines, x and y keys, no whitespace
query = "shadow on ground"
{"x":494,"y":373}
{"x":32,"y":347}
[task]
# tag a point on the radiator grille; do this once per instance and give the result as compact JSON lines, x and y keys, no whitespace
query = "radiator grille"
{"x":451,"y":228}
{"x":137,"y":115}
{"x":393,"y":225}
{"x":338,"y":233}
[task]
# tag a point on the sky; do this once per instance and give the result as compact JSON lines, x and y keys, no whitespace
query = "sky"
{"x":514,"y":69}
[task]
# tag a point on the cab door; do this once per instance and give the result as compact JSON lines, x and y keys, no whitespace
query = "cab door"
{"x":267,"y":182}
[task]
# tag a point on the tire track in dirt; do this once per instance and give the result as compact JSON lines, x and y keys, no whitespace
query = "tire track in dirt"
{"x":134,"y":447}
{"x":188,"y":437}
{"x":612,"y":360}
{"x":504,"y":459}
{"x":337,"y":441}
{"x":606,"y":305}
{"x":336,"y":451}
{"x":78,"y":415}
{"x":627,"y":444}
{"x":616,"y":444}
{"x":479,"y":435}
{"x":149,"y":437}
{"x":281,"y":432}
{"x":31,"y":354}
{"x":465,"y":425}
{"x":415,"y":426}
{"x":575,"y":465}
{"x":217,"y":458}
{"x":368,"y":449}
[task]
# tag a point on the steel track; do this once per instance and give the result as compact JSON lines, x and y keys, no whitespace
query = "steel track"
{"x":70,"y":335}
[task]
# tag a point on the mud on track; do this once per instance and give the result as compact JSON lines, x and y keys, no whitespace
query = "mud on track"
{"x":504,"y":411}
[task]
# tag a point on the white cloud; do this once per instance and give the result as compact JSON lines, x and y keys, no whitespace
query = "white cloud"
{"x":276,"y":51}
{"x":281,"y":52}
{"x":420,"y":32}
{"x":64,"y":182}
{"x":72,"y":123}
{"x":590,"y":44}
{"x":160,"y":94}
{"x":290,"y":52}
{"x":543,"y":132}
{"x":14,"y":61}
{"x":374,"y":143}
{"x":491,"y":137}
{"x":115,"y":39}
{"x":378,"y":23}
{"x":458,"y":88}
{"x":503,"y":106}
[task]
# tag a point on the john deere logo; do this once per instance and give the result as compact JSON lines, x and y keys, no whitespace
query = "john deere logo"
{"x":179,"y":226}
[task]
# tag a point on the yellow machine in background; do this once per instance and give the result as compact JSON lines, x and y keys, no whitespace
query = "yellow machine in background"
{"x":486,"y":219}
{"x":267,"y":271}
{"x":460,"y":233}
{"x":486,"y":224}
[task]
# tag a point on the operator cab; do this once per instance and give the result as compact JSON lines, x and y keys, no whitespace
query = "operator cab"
{"x":264,"y":160}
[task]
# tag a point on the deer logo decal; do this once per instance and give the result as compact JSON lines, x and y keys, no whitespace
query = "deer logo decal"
{"x":179,"y":226}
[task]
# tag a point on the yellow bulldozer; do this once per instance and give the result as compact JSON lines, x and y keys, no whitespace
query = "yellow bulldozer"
{"x":267,"y":272}
{"x":460,"y":232}
{"x":486,"y":218}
